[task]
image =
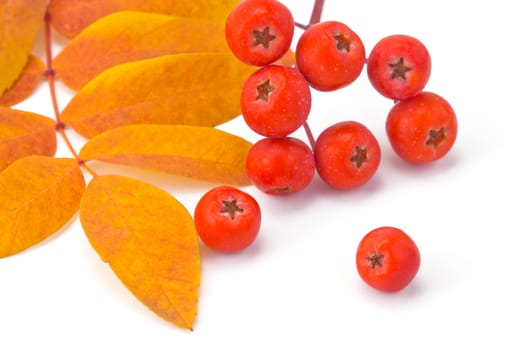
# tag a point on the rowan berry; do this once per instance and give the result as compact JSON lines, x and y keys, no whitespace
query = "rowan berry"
{"x":280,"y":165}
{"x":347,"y":155}
{"x":423,"y":128}
{"x":387,"y":259}
{"x":259,"y":32}
{"x":275,"y":101}
{"x":330,"y":55}
{"x":399,"y":66}
{"x":227,"y":219}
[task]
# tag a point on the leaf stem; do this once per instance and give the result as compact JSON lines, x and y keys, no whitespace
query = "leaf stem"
{"x":50,"y":76}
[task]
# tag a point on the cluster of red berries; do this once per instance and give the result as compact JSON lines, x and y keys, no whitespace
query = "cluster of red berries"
{"x":276,"y":99}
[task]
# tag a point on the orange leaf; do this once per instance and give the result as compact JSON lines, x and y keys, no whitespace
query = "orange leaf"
{"x":70,"y":17}
{"x":23,"y":134}
{"x":38,"y":195}
{"x":21,"y":20}
{"x":149,"y":240}
{"x":199,"y":152}
{"x":190,"y":89}
{"x":26,"y":83}
{"x":133,"y":36}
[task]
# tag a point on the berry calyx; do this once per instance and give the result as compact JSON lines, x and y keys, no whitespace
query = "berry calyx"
{"x":330,"y":55}
{"x":399,"y":66}
{"x":280,"y":166}
{"x":423,"y":128}
{"x":347,"y":155}
{"x":275,"y":101}
{"x":259,"y":32}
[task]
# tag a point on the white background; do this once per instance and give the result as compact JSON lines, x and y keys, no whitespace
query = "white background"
{"x":297,"y":286}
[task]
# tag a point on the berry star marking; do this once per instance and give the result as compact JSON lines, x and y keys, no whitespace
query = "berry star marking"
{"x":263,"y":37}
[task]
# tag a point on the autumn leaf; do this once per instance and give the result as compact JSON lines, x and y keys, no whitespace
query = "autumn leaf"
{"x":133,"y":36}
{"x":198,"y":152}
{"x":27,"y":82}
{"x":71,"y":17}
{"x":23,"y":134}
{"x":149,"y":240}
{"x":38,"y":195}
{"x":21,"y":21}
{"x":190,"y":89}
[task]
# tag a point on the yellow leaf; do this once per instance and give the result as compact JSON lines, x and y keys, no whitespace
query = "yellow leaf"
{"x":70,"y":17}
{"x":149,"y":240}
{"x":132,"y":36}
{"x":191,"y":89}
{"x":198,"y":152}
{"x":21,"y":21}
{"x":38,"y":195}
{"x":27,"y":82}
{"x":24,"y":134}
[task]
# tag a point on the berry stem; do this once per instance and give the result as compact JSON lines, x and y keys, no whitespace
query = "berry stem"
{"x":50,"y":76}
{"x":317,"y":12}
{"x":309,"y":134}
{"x":314,"y":18}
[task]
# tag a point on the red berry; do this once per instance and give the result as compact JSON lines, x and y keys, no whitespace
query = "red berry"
{"x":347,"y":155}
{"x":275,"y":101}
{"x":423,"y":128}
{"x":227,"y":219}
{"x":280,"y":165}
{"x":330,"y":55}
{"x":399,"y":66}
{"x":387,"y":259}
{"x":259,"y":32}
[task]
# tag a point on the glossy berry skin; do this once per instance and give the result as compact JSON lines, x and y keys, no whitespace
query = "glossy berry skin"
{"x":347,"y":155}
{"x":280,"y":166}
{"x":259,"y":32}
{"x":227,"y":219}
{"x":399,"y":66}
{"x":275,"y":101}
{"x":422,"y":129}
{"x":330,"y":55}
{"x":387,"y":259}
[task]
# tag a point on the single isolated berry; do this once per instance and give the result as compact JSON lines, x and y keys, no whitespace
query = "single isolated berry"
{"x":227,"y":219}
{"x":399,"y":66}
{"x":259,"y":32}
{"x":347,"y":155}
{"x":423,"y":128}
{"x":275,"y":101}
{"x":280,"y":166}
{"x":387,"y":259}
{"x":330,"y":55}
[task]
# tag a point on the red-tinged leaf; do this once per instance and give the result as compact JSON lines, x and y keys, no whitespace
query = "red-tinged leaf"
{"x":134,"y":36}
{"x":24,"y":134}
{"x":191,"y":89}
{"x":71,"y":17}
{"x":148,"y":239}
{"x":20,"y":23}
{"x":38,"y":195}
{"x":198,"y":152}
{"x":25,"y":85}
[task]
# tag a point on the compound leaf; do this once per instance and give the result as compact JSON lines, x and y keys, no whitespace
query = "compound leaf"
{"x":27,"y":82}
{"x":132,"y":36}
{"x":71,"y":17}
{"x":148,"y":239}
{"x":24,"y":134}
{"x":203,"y":153}
{"x":190,"y":89}
{"x":38,"y":195}
{"x":20,"y":23}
